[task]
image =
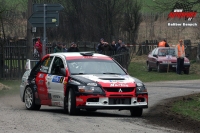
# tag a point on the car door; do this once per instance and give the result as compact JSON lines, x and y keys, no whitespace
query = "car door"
{"x":154,"y":59}
{"x":40,"y":81}
{"x":150,"y":58}
{"x":55,"y":81}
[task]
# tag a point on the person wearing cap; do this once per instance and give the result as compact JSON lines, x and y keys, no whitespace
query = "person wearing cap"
{"x":58,"y":48}
{"x":180,"y":55}
{"x":163,"y":43}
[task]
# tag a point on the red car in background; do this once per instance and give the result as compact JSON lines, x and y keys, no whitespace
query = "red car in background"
{"x":164,"y":59}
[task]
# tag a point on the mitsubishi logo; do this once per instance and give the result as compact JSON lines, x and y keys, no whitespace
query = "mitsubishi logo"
{"x":120,"y":90}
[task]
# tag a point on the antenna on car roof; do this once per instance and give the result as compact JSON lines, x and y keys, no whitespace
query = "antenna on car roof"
{"x":86,"y":53}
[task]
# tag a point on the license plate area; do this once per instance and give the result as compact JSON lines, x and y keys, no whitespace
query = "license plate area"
{"x":122,"y":101}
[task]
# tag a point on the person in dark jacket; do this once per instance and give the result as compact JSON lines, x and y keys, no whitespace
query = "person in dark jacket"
{"x":58,"y":48}
{"x":122,"y":48}
{"x":100,"y":47}
{"x":118,"y":44}
{"x":73,"y":48}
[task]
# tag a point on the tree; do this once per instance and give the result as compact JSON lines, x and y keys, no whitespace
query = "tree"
{"x":132,"y":19}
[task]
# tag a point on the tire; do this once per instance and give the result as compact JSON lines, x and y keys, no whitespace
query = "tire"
{"x":72,"y":103}
{"x":91,"y":110}
{"x":65,"y":105}
{"x":148,"y":68}
{"x":29,"y":99}
{"x":136,"y":112}
{"x":158,"y":68}
{"x":186,"y":71}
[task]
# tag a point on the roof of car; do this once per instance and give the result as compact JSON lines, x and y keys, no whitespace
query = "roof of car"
{"x":79,"y":54}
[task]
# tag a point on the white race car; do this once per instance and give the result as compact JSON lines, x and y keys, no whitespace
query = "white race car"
{"x":82,"y":80}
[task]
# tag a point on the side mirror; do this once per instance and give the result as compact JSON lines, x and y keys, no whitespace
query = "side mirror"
{"x":63,"y":71}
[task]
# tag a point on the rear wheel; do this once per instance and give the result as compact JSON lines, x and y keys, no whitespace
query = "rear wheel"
{"x":72,"y":103}
{"x":136,"y":112}
{"x":29,"y":99}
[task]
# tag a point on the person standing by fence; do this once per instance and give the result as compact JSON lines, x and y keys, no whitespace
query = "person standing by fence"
{"x":38,"y":48}
{"x":163,"y":43}
{"x":58,"y":48}
{"x":180,"y":54}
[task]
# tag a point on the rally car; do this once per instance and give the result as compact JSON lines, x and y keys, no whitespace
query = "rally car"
{"x":82,"y":81}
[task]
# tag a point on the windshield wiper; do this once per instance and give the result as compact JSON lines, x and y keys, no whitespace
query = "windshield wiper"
{"x":112,"y":73}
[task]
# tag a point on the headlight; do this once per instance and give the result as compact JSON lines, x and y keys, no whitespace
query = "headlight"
{"x":140,"y":87}
{"x":166,"y":61}
{"x":91,"y":89}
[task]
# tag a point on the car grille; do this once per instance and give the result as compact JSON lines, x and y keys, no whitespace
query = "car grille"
{"x":118,"y":89}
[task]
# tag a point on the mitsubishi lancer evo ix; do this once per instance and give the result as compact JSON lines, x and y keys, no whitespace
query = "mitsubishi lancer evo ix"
{"x":85,"y":80}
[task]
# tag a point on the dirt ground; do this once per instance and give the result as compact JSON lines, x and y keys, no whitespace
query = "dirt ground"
{"x":162,"y":115}
{"x":3,"y":87}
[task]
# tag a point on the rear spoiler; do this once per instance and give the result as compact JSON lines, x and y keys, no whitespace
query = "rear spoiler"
{"x":30,"y":64}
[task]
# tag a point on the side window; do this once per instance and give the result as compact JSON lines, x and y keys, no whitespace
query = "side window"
{"x":155,"y":52}
{"x":56,"y":66}
{"x":46,"y":64}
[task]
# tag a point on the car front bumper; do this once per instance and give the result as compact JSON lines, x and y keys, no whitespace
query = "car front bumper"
{"x":121,"y":102}
{"x":172,"y":66}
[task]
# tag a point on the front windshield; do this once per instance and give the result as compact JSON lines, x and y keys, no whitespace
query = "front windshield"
{"x":94,"y":66}
{"x":164,"y":52}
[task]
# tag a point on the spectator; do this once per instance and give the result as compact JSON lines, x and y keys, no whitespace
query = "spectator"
{"x":58,"y":48}
{"x":100,"y":47}
{"x":64,"y":48}
{"x":38,"y":48}
{"x":163,"y":43}
{"x":73,"y":48}
{"x":180,"y":54}
{"x":118,"y":44}
{"x":122,"y":48}
{"x":113,"y":45}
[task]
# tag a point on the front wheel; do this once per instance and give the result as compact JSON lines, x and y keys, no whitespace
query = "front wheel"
{"x":136,"y":112}
{"x":158,"y":68}
{"x":72,"y":103}
{"x":29,"y":99}
{"x":148,"y":68}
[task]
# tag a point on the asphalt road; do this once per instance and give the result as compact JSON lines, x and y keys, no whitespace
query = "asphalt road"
{"x":14,"y":118}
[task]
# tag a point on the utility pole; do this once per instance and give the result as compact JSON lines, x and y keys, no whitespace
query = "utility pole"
{"x":29,"y":32}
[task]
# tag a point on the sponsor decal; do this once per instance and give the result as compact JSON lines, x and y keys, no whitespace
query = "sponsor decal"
{"x":57,"y":79}
{"x":41,"y":82}
{"x":49,"y":75}
{"x":41,"y":89}
{"x":118,"y":85}
{"x":79,"y":99}
{"x":41,"y":76}
{"x":57,"y":103}
{"x":55,"y":96}
{"x":92,"y":84}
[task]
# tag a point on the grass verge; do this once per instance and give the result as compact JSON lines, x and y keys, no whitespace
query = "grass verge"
{"x":189,"y":107}
{"x":13,"y":84}
{"x":139,"y":70}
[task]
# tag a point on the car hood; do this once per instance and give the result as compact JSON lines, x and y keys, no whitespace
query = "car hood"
{"x":108,"y":80}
